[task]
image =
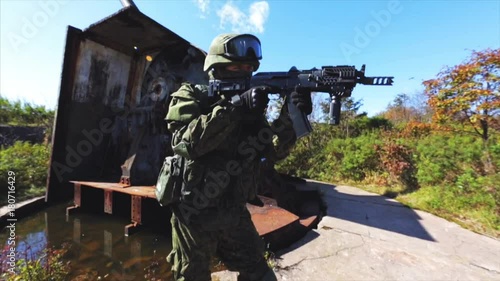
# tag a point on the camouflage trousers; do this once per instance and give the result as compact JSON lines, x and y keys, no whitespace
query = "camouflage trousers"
{"x":238,"y":246}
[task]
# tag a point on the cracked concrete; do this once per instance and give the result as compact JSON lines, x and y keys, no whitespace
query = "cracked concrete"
{"x":365,"y":236}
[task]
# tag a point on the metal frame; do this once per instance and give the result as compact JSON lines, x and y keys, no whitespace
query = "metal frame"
{"x":137,"y":193}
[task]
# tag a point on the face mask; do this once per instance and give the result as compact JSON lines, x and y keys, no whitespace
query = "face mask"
{"x":222,"y":73}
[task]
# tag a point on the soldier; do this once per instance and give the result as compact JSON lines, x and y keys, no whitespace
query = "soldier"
{"x":222,"y":141}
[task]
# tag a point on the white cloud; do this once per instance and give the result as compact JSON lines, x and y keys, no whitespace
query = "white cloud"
{"x":259,"y":11}
{"x":240,"y":22}
{"x":203,"y":6}
{"x":231,"y":14}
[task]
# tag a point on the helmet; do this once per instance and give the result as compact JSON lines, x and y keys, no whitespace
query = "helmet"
{"x":231,"y":48}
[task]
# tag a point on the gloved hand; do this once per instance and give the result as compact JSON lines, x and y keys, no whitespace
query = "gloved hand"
{"x":255,"y":99}
{"x":301,"y":98}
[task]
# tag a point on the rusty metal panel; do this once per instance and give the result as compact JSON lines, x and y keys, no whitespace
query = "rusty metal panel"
{"x":141,"y":191}
{"x":136,"y":209}
{"x":156,"y":76}
{"x":102,"y":185}
{"x":270,"y":218}
{"x":101,"y":75}
{"x":125,"y":31}
{"x":56,"y":179}
{"x":108,"y":201}
{"x":159,"y":73}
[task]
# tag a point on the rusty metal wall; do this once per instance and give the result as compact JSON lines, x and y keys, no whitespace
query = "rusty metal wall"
{"x":113,"y":100}
{"x":101,"y":75}
{"x":158,"y":75}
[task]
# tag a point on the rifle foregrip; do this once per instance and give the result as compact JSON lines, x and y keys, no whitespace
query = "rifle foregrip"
{"x":335,"y":110}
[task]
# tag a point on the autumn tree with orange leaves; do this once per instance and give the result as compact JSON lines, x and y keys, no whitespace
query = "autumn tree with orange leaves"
{"x":469,"y":93}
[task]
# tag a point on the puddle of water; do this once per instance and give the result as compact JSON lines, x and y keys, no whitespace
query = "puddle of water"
{"x":96,"y":245}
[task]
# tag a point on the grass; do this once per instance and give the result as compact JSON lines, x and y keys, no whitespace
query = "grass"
{"x":33,"y":192}
{"x":24,"y":166}
{"x":23,"y":194}
{"x":270,"y":259}
{"x":475,"y":212}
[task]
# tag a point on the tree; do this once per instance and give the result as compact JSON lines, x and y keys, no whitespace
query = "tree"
{"x":404,"y":109}
{"x":349,"y":112}
{"x":24,"y":114}
{"x":398,"y":111}
{"x":469,"y":93}
{"x":419,"y":103}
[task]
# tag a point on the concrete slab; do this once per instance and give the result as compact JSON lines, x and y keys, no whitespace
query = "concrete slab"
{"x":365,"y":236}
{"x":5,"y":210}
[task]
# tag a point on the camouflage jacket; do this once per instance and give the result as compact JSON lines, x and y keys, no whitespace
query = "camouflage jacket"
{"x":223,"y":147}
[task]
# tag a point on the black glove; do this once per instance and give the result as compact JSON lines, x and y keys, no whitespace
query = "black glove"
{"x":301,"y":98}
{"x":255,"y":99}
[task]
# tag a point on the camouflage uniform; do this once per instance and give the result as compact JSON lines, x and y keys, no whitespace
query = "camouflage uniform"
{"x":223,"y":149}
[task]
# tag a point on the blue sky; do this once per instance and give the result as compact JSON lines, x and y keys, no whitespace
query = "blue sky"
{"x":410,"y":40}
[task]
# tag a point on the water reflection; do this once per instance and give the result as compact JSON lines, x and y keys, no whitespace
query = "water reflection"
{"x":96,"y":245}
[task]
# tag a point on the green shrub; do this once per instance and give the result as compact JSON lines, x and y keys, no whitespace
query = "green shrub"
{"x":324,"y":156}
{"x":494,"y":152}
{"x":30,"y":163}
{"x":303,"y":159}
{"x":448,"y":174}
{"x":442,"y":158}
{"x":364,"y":124}
{"x":352,"y":158}
{"x":49,"y":266}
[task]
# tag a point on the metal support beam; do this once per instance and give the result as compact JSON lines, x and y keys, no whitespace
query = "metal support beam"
{"x":136,"y":215}
{"x":77,"y":199}
{"x":136,"y":209}
{"x":108,"y":202}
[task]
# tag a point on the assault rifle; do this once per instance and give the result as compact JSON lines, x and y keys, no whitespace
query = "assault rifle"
{"x":338,"y":81}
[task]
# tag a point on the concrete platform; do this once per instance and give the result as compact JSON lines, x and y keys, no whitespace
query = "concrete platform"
{"x":365,"y":236}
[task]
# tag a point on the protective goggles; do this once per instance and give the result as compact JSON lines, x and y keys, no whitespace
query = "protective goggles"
{"x":243,"y":47}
